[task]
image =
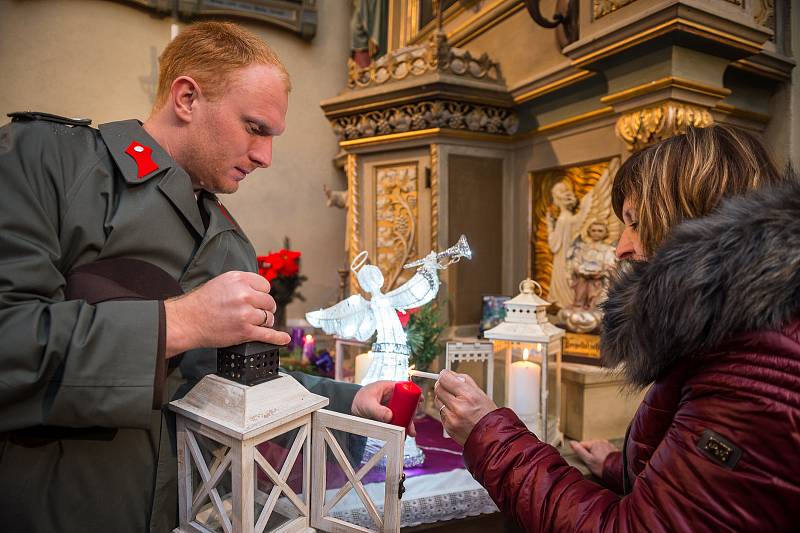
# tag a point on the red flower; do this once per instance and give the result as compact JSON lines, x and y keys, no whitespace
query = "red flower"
{"x":269,"y":266}
{"x":405,"y":316}
{"x":290,"y":262}
{"x":284,"y":263}
{"x":282,"y":270}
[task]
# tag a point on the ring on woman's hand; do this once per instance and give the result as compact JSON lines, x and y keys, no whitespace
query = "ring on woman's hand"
{"x":441,"y":414}
{"x":266,"y":317}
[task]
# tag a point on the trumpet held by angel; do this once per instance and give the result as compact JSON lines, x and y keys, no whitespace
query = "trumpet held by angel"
{"x":359,"y":318}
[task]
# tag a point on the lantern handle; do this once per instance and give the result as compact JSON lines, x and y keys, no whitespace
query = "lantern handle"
{"x":528,"y":286}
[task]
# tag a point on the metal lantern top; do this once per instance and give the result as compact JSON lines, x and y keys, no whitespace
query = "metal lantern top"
{"x":526,"y":318}
{"x":250,"y":363}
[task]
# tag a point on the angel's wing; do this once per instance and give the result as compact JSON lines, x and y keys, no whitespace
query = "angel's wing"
{"x":596,"y":205}
{"x":417,"y":291}
{"x":350,"y":319}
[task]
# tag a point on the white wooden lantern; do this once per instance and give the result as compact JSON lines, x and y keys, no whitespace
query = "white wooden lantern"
{"x":231,"y":420}
{"x":531,"y":348}
{"x":466,"y":352}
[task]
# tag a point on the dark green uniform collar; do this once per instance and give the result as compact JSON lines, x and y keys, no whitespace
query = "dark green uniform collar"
{"x":123,"y":140}
{"x":138,"y":166}
{"x":219,"y":218}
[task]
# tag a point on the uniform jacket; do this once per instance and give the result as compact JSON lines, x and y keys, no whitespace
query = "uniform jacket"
{"x":712,"y":320}
{"x":85,"y":442}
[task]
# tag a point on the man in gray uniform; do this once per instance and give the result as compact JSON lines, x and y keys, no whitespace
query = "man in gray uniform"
{"x":117,"y":257}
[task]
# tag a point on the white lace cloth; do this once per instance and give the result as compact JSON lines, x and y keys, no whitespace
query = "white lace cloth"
{"x":432,"y":498}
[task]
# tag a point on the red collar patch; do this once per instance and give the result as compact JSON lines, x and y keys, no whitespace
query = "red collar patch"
{"x":143,"y":156}
{"x":227,"y":215}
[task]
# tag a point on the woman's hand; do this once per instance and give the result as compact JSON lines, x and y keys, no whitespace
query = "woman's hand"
{"x":593,"y":453}
{"x":461,"y":403}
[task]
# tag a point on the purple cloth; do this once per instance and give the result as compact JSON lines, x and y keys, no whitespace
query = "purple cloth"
{"x":323,"y":362}
{"x":441,"y":455}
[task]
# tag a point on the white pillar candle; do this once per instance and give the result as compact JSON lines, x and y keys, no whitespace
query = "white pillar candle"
{"x":363,"y":360}
{"x":524,"y":388}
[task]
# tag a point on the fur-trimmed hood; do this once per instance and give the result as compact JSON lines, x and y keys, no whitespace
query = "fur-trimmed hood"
{"x":735,"y":271}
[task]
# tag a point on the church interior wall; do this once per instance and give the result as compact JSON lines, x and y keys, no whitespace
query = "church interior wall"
{"x":582,"y":97}
{"x":98,"y":59}
{"x":522,"y":48}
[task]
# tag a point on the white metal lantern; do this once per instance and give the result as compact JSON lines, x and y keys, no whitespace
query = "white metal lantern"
{"x":531,"y":348}
{"x":226,"y":484}
{"x":472,"y":352}
{"x":457,"y":353}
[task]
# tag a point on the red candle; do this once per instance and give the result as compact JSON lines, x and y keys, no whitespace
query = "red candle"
{"x":404,"y":402}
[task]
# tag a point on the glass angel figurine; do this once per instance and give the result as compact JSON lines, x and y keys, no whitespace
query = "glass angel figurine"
{"x":358,"y":318}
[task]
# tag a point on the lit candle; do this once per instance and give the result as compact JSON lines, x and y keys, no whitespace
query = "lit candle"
{"x":524,"y":387}
{"x":309,"y":348}
{"x":403,"y":402}
{"x":363,"y":360}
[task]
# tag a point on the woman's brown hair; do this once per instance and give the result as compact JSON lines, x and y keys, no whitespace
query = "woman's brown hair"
{"x":687,"y":175}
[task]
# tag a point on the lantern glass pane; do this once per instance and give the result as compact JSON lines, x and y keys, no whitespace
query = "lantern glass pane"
{"x":501,"y":351}
{"x":553,"y":397}
{"x":477,"y":370}
{"x":279,"y":461}
{"x":524,"y":382}
{"x":211,"y":483}
{"x":346,"y":353}
{"x":369,"y":468}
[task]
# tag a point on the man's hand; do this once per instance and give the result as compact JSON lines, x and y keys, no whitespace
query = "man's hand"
{"x":370,"y":402}
{"x":233,"y":308}
{"x":593,"y":453}
{"x":464,"y":404}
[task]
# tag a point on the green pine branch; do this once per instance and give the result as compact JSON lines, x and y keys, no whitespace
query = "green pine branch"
{"x":423,"y":330}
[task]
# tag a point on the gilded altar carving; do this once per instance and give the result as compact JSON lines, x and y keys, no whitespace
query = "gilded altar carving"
{"x":434,"y":195}
{"x":573,"y":233}
{"x":428,"y":114}
{"x":396,"y":211}
{"x":352,"y":237}
{"x":601,"y":8}
{"x":435,"y":55}
{"x":652,"y":124}
{"x":423,"y":87}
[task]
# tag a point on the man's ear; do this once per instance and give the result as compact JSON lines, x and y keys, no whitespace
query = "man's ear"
{"x":184,"y":95}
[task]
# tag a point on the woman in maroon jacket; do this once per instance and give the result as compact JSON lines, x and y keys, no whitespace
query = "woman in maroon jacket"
{"x":709,"y":314}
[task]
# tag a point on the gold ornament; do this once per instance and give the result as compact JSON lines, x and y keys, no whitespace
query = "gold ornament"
{"x":648,"y":125}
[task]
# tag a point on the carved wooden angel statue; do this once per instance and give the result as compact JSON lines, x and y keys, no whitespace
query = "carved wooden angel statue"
{"x":572,"y":222}
{"x":358,"y":318}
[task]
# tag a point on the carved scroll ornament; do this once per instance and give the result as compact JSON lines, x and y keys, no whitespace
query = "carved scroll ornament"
{"x":601,"y":8}
{"x":423,"y":115}
{"x":652,"y":124}
{"x":764,"y":14}
{"x":435,"y":55}
{"x":396,"y":221}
